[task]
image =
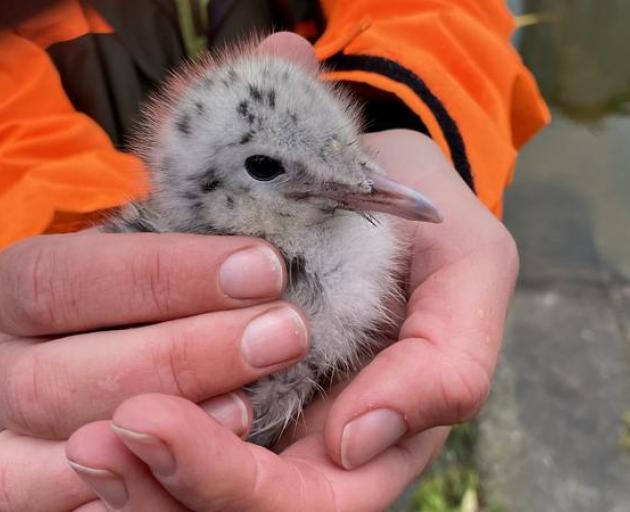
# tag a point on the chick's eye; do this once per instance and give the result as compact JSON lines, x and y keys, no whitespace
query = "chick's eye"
{"x":263,"y":168}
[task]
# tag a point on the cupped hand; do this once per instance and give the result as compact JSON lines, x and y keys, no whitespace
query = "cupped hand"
{"x":161,"y":453}
{"x":460,"y":284}
{"x":382,"y":422}
{"x":91,"y":319}
{"x":386,"y":424}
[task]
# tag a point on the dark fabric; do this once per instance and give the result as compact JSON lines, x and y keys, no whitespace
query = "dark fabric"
{"x":106,"y":76}
{"x":231,"y":20}
{"x":388,"y":115}
{"x":102,"y":81}
{"x":13,"y":12}
{"x":148,"y":29}
{"x":398,"y":73}
{"x":383,"y":110}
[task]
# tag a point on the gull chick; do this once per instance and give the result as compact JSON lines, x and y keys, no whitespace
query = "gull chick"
{"x":252,"y":144}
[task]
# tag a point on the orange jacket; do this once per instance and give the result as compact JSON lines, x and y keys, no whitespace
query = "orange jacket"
{"x":449,"y":61}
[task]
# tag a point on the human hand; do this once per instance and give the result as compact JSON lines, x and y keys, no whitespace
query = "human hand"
{"x":307,"y":458}
{"x":68,"y":356}
{"x":460,"y":282}
{"x":72,"y":291}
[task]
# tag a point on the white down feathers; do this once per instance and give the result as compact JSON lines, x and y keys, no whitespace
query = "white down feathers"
{"x":195,"y":136}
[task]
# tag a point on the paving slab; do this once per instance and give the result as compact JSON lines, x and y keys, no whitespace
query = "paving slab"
{"x":569,"y":206}
{"x":549,"y":438}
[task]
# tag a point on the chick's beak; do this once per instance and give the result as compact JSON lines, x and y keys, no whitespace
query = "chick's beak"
{"x":384,"y":195}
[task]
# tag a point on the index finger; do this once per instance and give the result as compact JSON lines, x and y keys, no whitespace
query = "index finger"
{"x":84,"y":281}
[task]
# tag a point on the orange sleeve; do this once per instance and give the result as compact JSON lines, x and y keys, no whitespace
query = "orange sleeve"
{"x":452,"y":63}
{"x":55,"y":163}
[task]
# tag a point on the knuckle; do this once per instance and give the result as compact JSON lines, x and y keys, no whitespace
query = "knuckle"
{"x":151,"y":280}
{"x":30,"y":275}
{"x":173,"y":359}
{"x":502,"y":247}
{"x":28,"y":404}
{"x":19,"y":392}
{"x":465,"y":389}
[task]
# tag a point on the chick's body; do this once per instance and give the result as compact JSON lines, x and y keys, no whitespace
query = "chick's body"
{"x":256,"y":145}
{"x":341,"y":273}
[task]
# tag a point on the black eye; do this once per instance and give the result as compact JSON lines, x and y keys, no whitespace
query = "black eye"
{"x":263,"y":168}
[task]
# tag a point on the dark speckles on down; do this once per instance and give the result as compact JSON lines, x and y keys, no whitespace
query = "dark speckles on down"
{"x":208,"y":186}
{"x":308,"y":282}
{"x":255,"y":93}
{"x":244,"y":112}
{"x":183,"y":124}
{"x":271,"y":98}
{"x":243,"y":108}
{"x":207,"y":181}
{"x":247,"y":137}
{"x":189,"y":195}
{"x":297,"y":268}
{"x":197,"y":206}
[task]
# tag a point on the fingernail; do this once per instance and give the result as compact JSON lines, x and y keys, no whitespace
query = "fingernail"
{"x":230,"y":411}
{"x":252,"y":274}
{"x":369,"y":435}
{"x":108,"y":486}
{"x":278,"y":335}
{"x":153,"y":451}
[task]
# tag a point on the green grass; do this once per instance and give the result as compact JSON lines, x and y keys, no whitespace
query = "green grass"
{"x":453,"y":490}
{"x":452,"y":483}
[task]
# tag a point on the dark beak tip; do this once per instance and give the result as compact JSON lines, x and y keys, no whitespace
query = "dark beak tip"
{"x":437,"y":218}
{"x":427,"y":212}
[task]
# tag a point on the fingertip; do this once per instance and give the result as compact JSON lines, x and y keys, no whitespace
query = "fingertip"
{"x":256,"y":272}
{"x":164,"y":416}
{"x":281,"y":261}
{"x":96,"y":456}
{"x":369,"y":435}
{"x":90,"y":443}
{"x":149,"y":411}
{"x":233,"y":411}
{"x":99,"y":454}
{"x":94,"y":506}
{"x":292,"y":47}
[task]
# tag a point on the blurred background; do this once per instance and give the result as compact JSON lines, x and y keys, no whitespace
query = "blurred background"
{"x":555,"y":435}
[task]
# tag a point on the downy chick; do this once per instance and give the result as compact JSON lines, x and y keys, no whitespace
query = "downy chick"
{"x":255,"y":145}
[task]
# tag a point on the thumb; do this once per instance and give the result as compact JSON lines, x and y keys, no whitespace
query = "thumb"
{"x":206,"y":467}
{"x":290,"y":46}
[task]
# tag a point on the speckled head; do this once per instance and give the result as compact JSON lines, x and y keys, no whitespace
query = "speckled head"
{"x":255,"y":144}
